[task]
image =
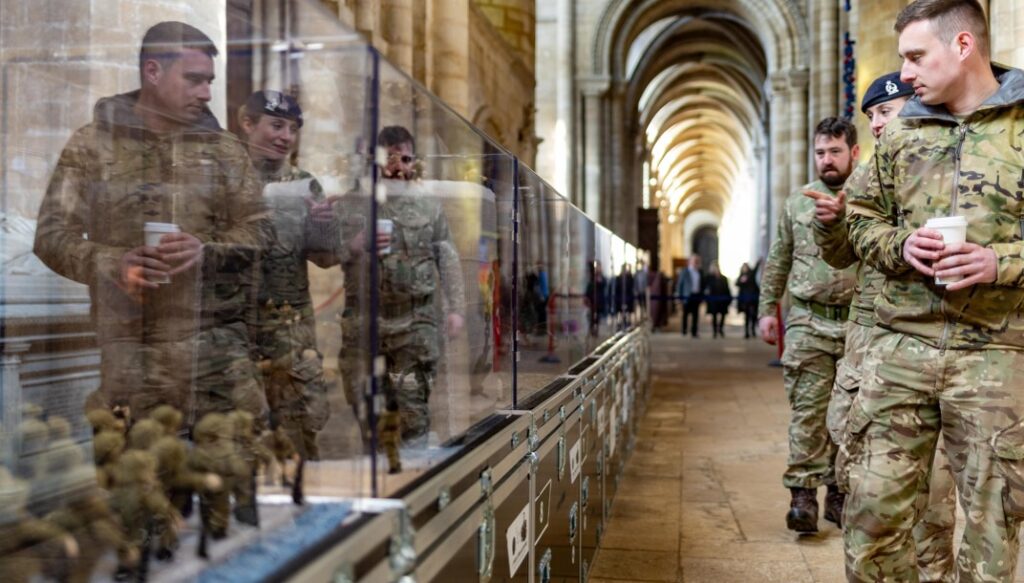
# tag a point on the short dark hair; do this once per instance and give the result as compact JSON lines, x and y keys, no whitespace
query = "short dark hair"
{"x":835,"y":127}
{"x":164,"y":42}
{"x":394,"y":136}
{"x":949,"y":18}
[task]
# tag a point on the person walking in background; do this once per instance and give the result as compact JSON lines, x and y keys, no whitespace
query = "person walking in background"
{"x":689,"y":284}
{"x":718,"y":297}
{"x":746,"y":301}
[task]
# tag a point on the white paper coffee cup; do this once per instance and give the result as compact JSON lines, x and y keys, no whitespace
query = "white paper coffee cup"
{"x":153,"y":232}
{"x":385,"y":227}
{"x":954,"y":230}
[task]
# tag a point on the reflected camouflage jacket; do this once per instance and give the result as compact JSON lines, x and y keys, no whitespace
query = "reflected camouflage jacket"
{"x":794,"y":261}
{"x":113,"y":176}
{"x":422,"y":258}
{"x":297,"y":238}
{"x":837,"y":251}
{"x":930,"y":164}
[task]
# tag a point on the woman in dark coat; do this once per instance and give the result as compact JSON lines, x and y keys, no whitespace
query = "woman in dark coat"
{"x":718,"y":297}
{"x":746,"y":303}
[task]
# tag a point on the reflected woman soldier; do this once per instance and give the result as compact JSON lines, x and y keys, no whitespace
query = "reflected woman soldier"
{"x":306,"y":229}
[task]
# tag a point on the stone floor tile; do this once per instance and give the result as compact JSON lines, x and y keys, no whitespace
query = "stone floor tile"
{"x":636,"y":565}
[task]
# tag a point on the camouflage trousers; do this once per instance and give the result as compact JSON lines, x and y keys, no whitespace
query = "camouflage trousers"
{"x":226,"y":377}
{"x":933,"y":531}
{"x":813,"y":345}
{"x":210,"y":371}
{"x":298,"y":395}
{"x":910,"y":393}
{"x":411,"y":349}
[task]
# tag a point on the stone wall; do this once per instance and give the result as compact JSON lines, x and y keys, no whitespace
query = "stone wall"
{"x":58,"y":58}
{"x":476,"y":55}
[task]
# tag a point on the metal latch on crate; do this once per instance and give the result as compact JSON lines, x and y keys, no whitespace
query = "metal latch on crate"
{"x":560,"y":458}
{"x":573,"y":520}
{"x":544,"y":567}
{"x":402,"y":555}
{"x":485,"y":547}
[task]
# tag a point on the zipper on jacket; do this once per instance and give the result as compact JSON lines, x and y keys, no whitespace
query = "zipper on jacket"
{"x":957,"y":155}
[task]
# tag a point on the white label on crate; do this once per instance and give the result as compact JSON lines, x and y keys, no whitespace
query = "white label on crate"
{"x":543,"y":508}
{"x":575,"y":462}
{"x":518,"y":538}
{"x":601,"y":414}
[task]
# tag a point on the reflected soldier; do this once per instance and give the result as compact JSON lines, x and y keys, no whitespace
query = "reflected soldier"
{"x":416,"y":261}
{"x":306,"y":229}
{"x":158,"y":210}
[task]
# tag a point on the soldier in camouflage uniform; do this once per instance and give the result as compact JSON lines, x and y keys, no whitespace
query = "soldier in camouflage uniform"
{"x":814,"y":328}
{"x":305,"y":229}
{"x":417,"y":261}
{"x":933,"y":531}
{"x":159,"y":155}
{"x":952,"y":361}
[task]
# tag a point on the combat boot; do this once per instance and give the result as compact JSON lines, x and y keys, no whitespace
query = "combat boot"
{"x":803,"y":510}
{"x":834,"y":500}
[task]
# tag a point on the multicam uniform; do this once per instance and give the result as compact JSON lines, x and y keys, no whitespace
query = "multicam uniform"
{"x":422,"y":259}
{"x":933,"y":531}
{"x":814,"y":336}
{"x":286,"y":327}
{"x":953,"y":361}
{"x":185,"y":343}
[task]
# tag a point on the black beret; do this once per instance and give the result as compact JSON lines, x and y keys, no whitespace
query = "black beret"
{"x":885,"y":88}
{"x":274,"y":103}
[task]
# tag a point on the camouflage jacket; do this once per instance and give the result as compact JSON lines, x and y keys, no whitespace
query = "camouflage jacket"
{"x":113,"y":176}
{"x":422,"y":258}
{"x":297,"y":238}
{"x":837,"y":251}
{"x":930,"y":164}
{"x":794,"y":262}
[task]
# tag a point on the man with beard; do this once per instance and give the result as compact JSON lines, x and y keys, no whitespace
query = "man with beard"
{"x":820,"y":297}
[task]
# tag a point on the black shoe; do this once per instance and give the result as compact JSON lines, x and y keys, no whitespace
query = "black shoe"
{"x":803,"y":510}
{"x":834,"y":501}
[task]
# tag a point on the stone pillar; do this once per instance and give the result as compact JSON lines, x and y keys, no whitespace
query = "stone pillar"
{"x":799,"y":158}
{"x":1006,"y":19}
{"x":10,"y":387}
{"x":593,"y":90}
{"x":825,"y":98}
{"x":396,"y":21}
{"x":516,"y":21}
{"x":780,"y":131}
{"x":451,"y":53}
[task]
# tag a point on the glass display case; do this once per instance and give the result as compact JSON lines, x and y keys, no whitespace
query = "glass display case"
{"x":252,"y":273}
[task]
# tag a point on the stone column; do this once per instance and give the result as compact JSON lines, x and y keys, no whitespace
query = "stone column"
{"x":397,"y":24}
{"x":780,"y":131}
{"x":799,"y":159}
{"x":825,"y":99}
{"x":451,"y":53}
{"x":1006,"y":19}
{"x":593,"y":90}
{"x":10,"y":387}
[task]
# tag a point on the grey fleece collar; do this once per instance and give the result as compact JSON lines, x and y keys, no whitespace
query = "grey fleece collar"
{"x":1010,"y":93}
